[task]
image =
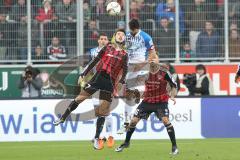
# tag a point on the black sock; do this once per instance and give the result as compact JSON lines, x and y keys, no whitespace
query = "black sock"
{"x":129,"y":134}
{"x":100,"y":123}
{"x":72,"y":106}
{"x":171,"y":133}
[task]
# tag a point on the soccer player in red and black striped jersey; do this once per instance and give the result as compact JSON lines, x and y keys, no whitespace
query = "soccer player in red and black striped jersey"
{"x":155,"y":99}
{"x":110,"y":60}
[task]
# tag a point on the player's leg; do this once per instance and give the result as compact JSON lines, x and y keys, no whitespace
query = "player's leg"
{"x":73,"y":105}
{"x":109,"y":127}
{"x":87,"y":91}
{"x":132,"y":98}
{"x":130,"y":130}
{"x":163,"y":114}
{"x":141,"y":112}
{"x":101,"y":112}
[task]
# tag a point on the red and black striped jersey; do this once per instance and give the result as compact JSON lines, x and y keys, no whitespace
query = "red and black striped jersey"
{"x":110,"y":61}
{"x":156,"y":87}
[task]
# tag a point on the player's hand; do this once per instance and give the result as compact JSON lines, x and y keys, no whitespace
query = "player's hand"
{"x":81,"y":80}
{"x":174,"y":100}
{"x":119,"y":87}
{"x":237,"y":78}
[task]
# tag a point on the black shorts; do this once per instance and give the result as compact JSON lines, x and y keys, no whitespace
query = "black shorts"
{"x":144,"y":110}
{"x":103,"y":82}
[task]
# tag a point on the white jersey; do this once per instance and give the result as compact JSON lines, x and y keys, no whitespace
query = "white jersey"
{"x":138,"y":46}
{"x":94,"y":52}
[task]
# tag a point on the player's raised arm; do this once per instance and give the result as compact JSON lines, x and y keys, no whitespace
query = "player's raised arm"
{"x":93,"y":63}
{"x":173,"y":85}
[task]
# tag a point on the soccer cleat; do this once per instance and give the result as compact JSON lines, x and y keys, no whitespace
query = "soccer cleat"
{"x":122,"y":146}
{"x":110,"y":142}
{"x":98,"y":144}
{"x":58,"y":121}
{"x":174,"y":150}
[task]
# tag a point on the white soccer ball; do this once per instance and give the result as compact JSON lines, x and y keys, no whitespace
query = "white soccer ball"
{"x":113,"y":8}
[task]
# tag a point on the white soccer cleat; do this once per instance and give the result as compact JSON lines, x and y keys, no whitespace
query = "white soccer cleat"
{"x":174,"y":151}
{"x":122,"y":146}
{"x":58,"y":121}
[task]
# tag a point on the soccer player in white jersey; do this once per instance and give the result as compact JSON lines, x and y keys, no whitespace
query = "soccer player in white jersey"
{"x":102,"y":41}
{"x":139,"y":47}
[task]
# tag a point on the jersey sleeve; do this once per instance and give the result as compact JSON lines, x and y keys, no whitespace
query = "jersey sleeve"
{"x":94,"y":61}
{"x":148,"y":42}
{"x":170,"y":79}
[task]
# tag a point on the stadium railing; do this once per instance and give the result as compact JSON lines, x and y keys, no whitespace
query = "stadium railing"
{"x":20,"y":42}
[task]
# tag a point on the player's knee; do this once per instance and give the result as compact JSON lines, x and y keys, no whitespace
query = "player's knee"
{"x":80,"y":98}
{"x":103,"y":109}
{"x":134,"y":122}
{"x":165,"y":120}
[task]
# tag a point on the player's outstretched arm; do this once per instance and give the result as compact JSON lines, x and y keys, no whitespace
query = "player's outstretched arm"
{"x":173,"y":85}
{"x":93,"y":63}
{"x":152,"y":53}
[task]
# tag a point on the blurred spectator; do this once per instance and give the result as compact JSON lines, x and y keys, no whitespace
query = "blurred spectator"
{"x":187,"y":51}
{"x":168,"y":10}
{"x":19,"y":11}
{"x":56,"y":51}
{"x":98,"y":10}
{"x":3,"y":48}
{"x":233,"y":26}
{"x":121,"y":25}
{"x":165,"y":39}
{"x":22,"y":36}
{"x":46,"y":14}
{"x":234,"y":44}
{"x":86,"y":11}
{"x":203,"y":85}
{"x":66,"y":11}
{"x":134,"y":11}
{"x":148,"y":9}
{"x":6,"y":5}
{"x":234,"y":8}
{"x":106,"y":22}
{"x":195,"y":21}
{"x":91,"y":35}
{"x":233,"y":11}
{"x":50,"y":89}
{"x":30,"y":83}
{"x":38,"y":53}
{"x":3,"y":35}
{"x":208,"y":42}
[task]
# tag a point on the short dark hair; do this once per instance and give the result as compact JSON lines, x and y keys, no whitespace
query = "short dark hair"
{"x":120,"y":30}
{"x":134,"y":24}
{"x":164,"y":17}
{"x":102,"y":34}
{"x":201,"y":67}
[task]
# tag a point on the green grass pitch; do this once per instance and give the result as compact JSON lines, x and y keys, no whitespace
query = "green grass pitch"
{"x":206,"y":149}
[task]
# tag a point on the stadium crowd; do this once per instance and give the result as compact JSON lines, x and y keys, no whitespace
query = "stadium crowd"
{"x":54,"y":27}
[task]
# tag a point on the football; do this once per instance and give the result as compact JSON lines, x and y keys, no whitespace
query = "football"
{"x":113,"y":8}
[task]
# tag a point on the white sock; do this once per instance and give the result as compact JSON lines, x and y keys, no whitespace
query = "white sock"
{"x":109,"y":125}
{"x":127,"y":113}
